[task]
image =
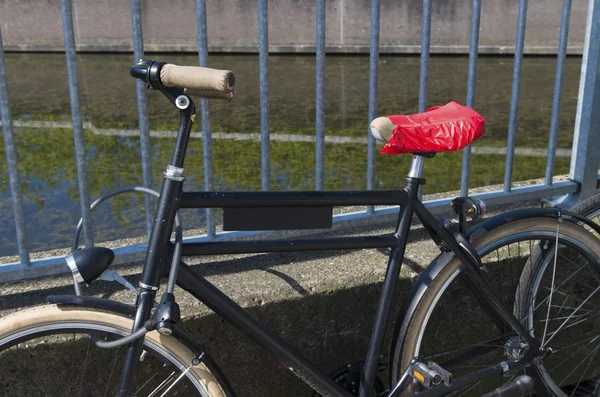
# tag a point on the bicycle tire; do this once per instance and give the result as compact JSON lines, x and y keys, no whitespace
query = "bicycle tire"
{"x":24,"y":372}
{"x":446,"y":281}
{"x":590,"y":208}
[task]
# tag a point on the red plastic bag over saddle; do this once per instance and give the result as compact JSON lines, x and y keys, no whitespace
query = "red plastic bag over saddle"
{"x":444,"y":128}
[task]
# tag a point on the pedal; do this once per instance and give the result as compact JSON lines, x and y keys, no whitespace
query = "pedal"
{"x":430,"y":374}
{"x":446,"y":376}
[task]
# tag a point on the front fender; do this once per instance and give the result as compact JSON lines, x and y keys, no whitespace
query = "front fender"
{"x":130,"y":311}
{"x":426,"y":276}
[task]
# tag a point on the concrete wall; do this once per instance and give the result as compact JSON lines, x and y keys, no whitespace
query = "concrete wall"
{"x":35,"y":25}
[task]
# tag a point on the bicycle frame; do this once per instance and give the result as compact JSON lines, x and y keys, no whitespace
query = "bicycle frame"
{"x":172,"y":199}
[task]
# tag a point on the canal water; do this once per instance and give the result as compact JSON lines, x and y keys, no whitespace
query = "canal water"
{"x":39,"y":92}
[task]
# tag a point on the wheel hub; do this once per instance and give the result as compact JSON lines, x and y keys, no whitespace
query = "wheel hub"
{"x":515,"y":348}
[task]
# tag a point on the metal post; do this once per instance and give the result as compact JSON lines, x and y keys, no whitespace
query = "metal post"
{"x":205,"y":111}
{"x":586,"y":143}
{"x":11,"y":162}
{"x":514,"y":98}
{"x":320,"y":94}
{"x":471,"y":85}
{"x":558,"y":82}
{"x":142,"y":101}
{"x":425,"y":44}
{"x":424,"y":72}
{"x":72,"y":74}
{"x":373,"y":78}
{"x":263,"y":61}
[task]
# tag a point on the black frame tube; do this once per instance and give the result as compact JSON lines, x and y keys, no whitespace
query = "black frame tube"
{"x":292,"y":199}
{"x":291,"y":245}
{"x":384,"y":306}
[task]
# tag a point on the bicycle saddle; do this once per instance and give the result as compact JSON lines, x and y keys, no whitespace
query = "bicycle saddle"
{"x":443,"y":128}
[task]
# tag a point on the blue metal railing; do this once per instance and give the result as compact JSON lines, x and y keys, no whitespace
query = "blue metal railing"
{"x":373,"y":78}
{"x":471,"y":84}
{"x":585,"y":155}
{"x":73,"y":76}
{"x":11,"y":160}
{"x":558,"y":83}
{"x":514,"y":96}
{"x":142,"y":101}
{"x":205,"y":113}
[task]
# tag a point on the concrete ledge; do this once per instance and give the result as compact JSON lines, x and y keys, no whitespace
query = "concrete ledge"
{"x":290,"y":49}
{"x":232,"y":26}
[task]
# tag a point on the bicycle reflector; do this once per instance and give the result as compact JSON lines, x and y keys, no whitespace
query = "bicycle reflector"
{"x":470,"y":207}
{"x":89,"y":263}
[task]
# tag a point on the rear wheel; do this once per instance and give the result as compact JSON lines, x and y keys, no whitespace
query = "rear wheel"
{"x":589,"y":208}
{"x":49,"y":351}
{"x":451,"y":328}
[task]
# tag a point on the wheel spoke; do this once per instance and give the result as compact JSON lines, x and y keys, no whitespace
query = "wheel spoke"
{"x":552,"y":284}
{"x":163,"y":384}
{"x":176,"y":381}
{"x":84,"y":366}
{"x":574,"y":354}
{"x":111,"y":372}
{"x":576,"y":343}
{"x":592,"y":353}
{"x":563,"y":283}
{"x":586,"y":368}
{"x":577,"y":316}
{"x":572,"y":314}
{"x":144,"y":385}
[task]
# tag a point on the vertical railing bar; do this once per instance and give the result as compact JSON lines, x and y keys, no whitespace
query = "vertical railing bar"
{"x":373,"y":79}
{"x":72,"y":74}
{"x":263,"y":61}
{"x":514,"y":98}
{"x":12,"y":162}
{"x":425,"y":45}
{"x":320,"y":96}
{"x":205,"y":111}
{"x":471,"y":86}
{"x":558,"y":83}
{"x":424,"y":71}
{"x":142,"y":104}
{"x":586,"y":141}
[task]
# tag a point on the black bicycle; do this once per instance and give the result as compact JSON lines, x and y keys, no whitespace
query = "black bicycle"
{"x":465,"y":328}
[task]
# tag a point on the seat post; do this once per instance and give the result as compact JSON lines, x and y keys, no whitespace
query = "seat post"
{"x":416,"y":167}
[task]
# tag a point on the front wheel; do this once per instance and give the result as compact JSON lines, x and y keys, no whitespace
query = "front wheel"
{"x":449,"y":326}
{"x":50,"y":351}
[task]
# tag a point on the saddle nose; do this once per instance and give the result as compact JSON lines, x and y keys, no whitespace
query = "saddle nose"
{"x":382,"y":129}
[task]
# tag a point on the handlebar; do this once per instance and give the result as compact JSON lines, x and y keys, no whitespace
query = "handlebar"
{"x":195,"y":81}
